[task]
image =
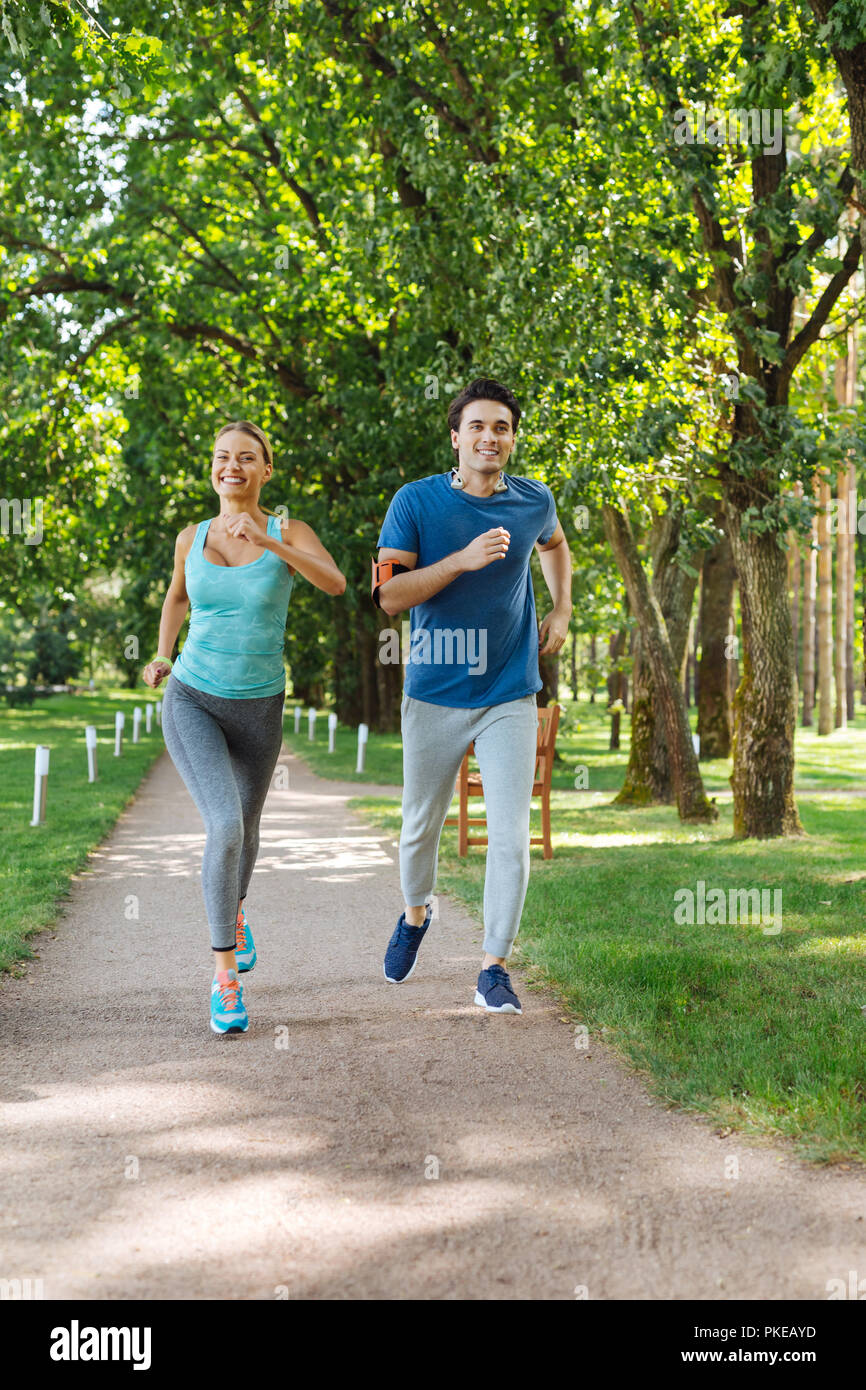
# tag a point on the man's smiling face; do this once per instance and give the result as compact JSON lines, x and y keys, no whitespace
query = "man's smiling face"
{"x":485,"y":437}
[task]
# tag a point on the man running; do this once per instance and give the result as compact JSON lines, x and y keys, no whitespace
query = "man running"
{"x":455,"y":548}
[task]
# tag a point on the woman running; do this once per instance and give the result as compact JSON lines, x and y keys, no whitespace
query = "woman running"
{"x":222,"y":711}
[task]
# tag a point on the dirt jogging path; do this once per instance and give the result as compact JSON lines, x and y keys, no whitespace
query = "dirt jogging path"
{"x":368,"y":1140}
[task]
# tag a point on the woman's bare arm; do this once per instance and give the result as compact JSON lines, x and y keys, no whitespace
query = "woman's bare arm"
{"x":303,"y":551}
{"x":174,"y":609}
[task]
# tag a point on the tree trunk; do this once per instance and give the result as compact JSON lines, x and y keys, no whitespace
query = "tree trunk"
{"x":846,"y":395}
{"x":810,"y":590}
{"x":592,"y":661}
{"x":675,"y":589}
{"x":825,"y":612}
{"x":347,"y":697}
{"x":794,"y":567}
{"x":368,"y":657}
{"x":687,"y":664}
{"x":714,"y":682}
{"x":648,"y":774}
{"x":574,"y":668}
{"x":639,"y":786}
{"x":734,"y":659}
{"x":632,"y":651}
{"x":380,"y":672}
{"x":841,"y":606}
{"x":852,"y":580}
{"x":692,"y":802}
{"x":615,"y":683}
{"x":764,"y":706}
{"x":548,"y":670}
{"x":394,"y":684}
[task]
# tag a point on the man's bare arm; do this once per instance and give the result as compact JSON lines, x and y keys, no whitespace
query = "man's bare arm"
{"x":406,"y":590}
{"x":555,"y":559}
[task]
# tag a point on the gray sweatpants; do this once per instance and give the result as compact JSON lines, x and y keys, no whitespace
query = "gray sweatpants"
{"x":225,"y":751}
{"x":435,"y":738}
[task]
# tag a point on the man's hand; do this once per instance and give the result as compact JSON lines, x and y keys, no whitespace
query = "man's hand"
{"x":554,"y":628}
{"x":243,"y":528}
{"x":492,"y":545}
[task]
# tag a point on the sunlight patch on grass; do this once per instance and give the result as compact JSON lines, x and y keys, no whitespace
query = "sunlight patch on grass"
{"x":833,"y":945}
{"x":598,"y":841}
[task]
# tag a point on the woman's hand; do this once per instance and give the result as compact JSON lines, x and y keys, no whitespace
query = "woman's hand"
{"x":155,"y":672}
{"x":243,"y":528}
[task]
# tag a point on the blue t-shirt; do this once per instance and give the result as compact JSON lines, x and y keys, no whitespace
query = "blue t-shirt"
{"x":475,"y":643}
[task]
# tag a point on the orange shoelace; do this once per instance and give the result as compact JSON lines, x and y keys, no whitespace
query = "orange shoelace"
{"x":228,"y":993}
{"x":241,"y":936}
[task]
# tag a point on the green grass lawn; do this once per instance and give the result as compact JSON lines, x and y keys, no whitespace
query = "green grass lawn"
{"x":36,"y":861}
{"x":579,"y":742}
{"x":835,"y":760}
{"x":761,"y":1032}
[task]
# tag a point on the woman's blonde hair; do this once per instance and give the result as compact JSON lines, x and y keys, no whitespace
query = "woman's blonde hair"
{"x":249,"y":428}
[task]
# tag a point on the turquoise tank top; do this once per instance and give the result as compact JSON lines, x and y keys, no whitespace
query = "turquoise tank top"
{"x":234,"y":647}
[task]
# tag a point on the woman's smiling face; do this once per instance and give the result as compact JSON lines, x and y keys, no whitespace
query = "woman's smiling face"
{"x":239,"y":467}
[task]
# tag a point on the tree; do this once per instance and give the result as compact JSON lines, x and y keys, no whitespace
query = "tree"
{"x":759,"y":258}
{"x":692,"y":802}
{"x":674,"y":578}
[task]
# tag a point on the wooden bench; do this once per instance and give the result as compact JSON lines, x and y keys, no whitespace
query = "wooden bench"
{"x":469,"y":784}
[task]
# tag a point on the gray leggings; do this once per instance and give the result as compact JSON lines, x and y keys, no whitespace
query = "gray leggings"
{"x":225,"y":751}
{"x":435,"y":737}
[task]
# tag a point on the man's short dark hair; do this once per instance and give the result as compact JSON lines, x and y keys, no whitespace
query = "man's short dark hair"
{"x":483,"y":388}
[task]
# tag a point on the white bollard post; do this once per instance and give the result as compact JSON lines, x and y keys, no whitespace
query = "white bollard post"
{"x":40,"y":784}
{"x":159,"y":712}
{"x":311,"y":724}
{"x":136,"y":724}
{"x":297,"y":719}
{"x":148,"y":716}
{"x":332,"y":732}
{"x":362,"y":746}
{"x":90,"y":740}
{"x":696,"y":742}
{"x":118,"y":733}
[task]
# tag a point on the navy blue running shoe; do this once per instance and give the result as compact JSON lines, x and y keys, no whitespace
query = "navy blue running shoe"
{"x":401,"y":956}
{"x":494,"y":992}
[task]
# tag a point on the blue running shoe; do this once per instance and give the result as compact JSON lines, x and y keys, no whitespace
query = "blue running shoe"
{"x":494,"y":992}
{"x":401,"y":956}
{"x":227,"y":1012}
{"x":245,"y":947}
